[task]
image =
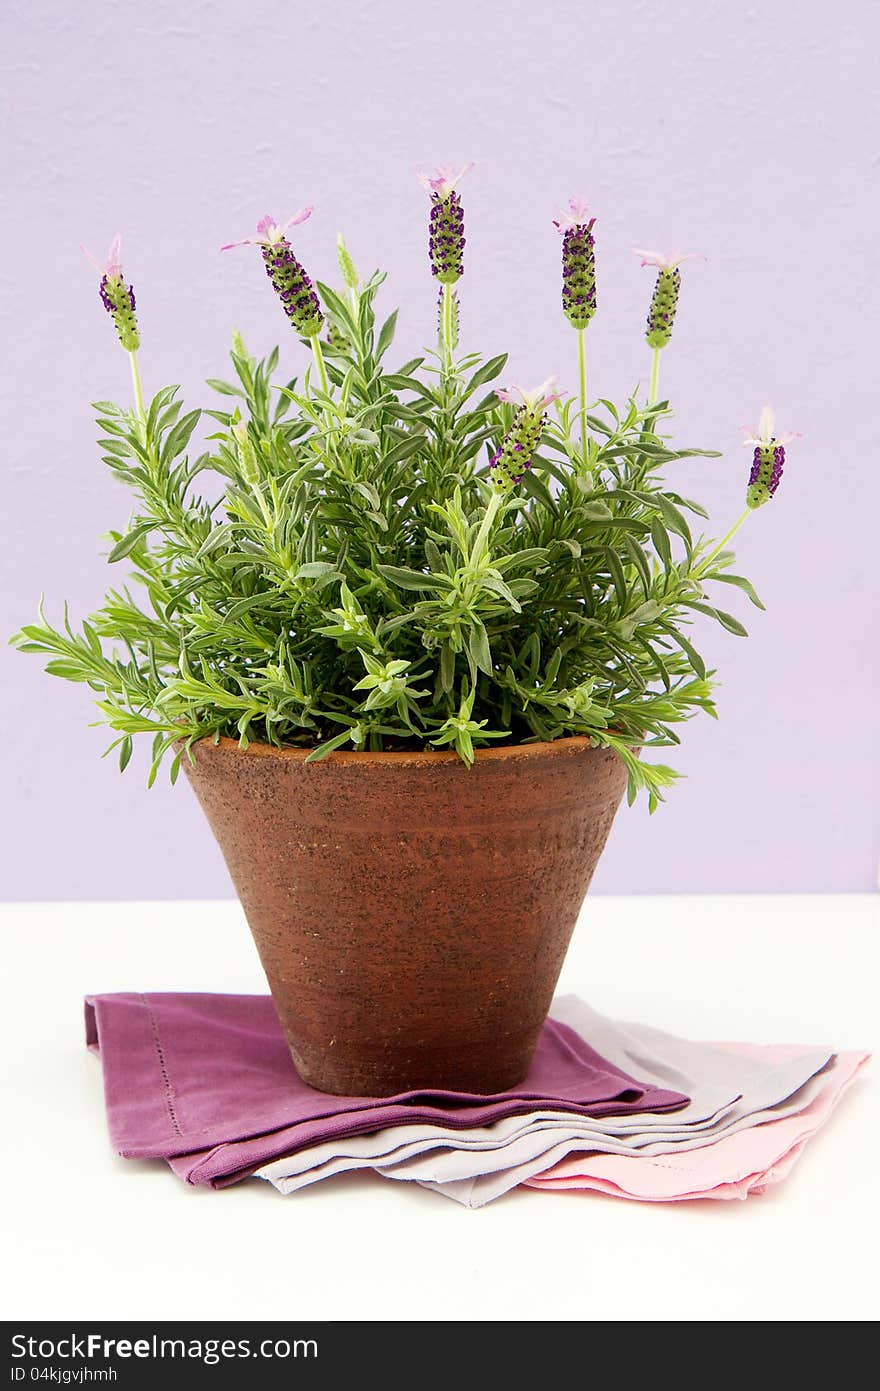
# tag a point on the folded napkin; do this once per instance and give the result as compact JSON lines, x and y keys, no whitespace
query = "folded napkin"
{"x":736,"y":1166}
{"x":729,"y":1091}
{"x":207,"y":1083}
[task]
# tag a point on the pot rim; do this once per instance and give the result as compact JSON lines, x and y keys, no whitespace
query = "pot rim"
{"x":567,"y":744}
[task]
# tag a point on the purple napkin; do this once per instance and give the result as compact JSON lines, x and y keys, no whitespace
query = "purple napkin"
{"x":207,"y":1082}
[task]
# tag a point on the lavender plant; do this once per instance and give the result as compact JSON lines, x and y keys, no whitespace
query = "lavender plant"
{"x":403,"y":557}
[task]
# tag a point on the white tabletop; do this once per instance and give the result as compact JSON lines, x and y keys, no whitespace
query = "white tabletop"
{"x":92,"y":1236}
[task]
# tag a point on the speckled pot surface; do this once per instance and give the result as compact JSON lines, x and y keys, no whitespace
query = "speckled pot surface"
{"x":411,"y":915}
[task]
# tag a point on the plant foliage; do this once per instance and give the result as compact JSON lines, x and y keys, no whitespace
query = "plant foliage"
{"x":361,"y":582}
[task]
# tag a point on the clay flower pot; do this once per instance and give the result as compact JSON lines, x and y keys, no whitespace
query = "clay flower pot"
{"x":411,"y":915}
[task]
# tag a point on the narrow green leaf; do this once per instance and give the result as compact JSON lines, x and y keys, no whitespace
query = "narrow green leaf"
{"x":535,"y":486}
{"x":128,"y":542}
{"x":478,"y":647}
{"x":328,"y":746}
{"x":661,"y":543}
{"x":386,"y":334}
{"x":405,"y":578}
{"x":741,"y":583}
{"x":618,"y":578}
{"x":317,"y":570}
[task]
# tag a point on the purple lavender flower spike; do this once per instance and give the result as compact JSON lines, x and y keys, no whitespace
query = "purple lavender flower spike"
{"x":768,"y":459}
{"x":578,"y":263}
{"x":289,"y":280}
{"x":664,"y":301}
{"x":117,"y":297}
{"x":446,"y":239}
{"x":514,"y":455}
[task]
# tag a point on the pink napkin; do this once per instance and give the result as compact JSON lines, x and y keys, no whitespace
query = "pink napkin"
{"x":749,"y":1161}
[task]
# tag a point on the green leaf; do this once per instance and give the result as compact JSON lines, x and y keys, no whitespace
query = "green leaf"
{"x":741,"y":583}
{"x":400,"y":383}
{"x":405,"y":578}
{"x":328,"y":746}
{"x":674,"y":519}
{"x":618,"y":578}
{"x":128,"y":542}
{"x":178,"y":438}
{"x":126,"y":747}
{"x":535,"y":486}
{"x":223,"y":388}
{"x":487,"y":373}
{"x":726,"y":620}
{"x":317,"y":570}
{"x":386,"y":334}
{"x":640,"y":560}
{"x":338,"y":308}
{"x":499,"y":587}
{"x":661,"y":543}
{"x":688,"y":649}
{"x":732,"y":624}
{"x":447,"y":667}
{"x":478,"y":647}
{"x":403,"y":450}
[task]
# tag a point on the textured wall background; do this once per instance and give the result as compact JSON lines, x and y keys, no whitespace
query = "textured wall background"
{"x":718,"y":127}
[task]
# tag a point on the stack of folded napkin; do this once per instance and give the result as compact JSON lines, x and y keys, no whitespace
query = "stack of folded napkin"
{"x":206,"y":1083}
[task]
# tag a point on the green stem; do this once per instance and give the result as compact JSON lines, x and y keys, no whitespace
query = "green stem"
{"x":704,"y":564}
{"x":319,"y":363}
{"x":582,"y":379}
{"x":655,"y":378}
{"x":138,"y":390}
{"x":446,"y":323}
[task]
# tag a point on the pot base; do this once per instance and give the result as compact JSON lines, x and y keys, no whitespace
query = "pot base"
{"x":481,"y":1069}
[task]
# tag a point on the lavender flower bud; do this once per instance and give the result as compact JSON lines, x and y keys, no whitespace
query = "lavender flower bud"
{"x":118,"y":300}
{"x":514,"y":457}
{"x":664,"y":302}
{"x":446,"y":237}
{"x":293,"y":287}
{"x":766,"y":474}
{"x":247,"y":454}
{"x":336,"y":339}
{"x":579,"y":274}
{"x":346,"y":264}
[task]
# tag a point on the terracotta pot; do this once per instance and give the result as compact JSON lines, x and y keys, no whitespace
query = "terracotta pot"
{"x":411,"y":915}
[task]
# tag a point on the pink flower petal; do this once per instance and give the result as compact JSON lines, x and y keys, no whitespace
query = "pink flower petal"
{"x":114,"y":257}
{"x":267,"y":225}
{"x":113,"y":264}
{"x":666,"y":260}
{"x":444,"y":178}
{"x":302,"y":215}
{"x":536,"y":399}
{"x":545,"y":394}
{"x":766,"y":431}
{"x":89,"y":257}
{"x":576,"y":215}
{"x":651,"y":258}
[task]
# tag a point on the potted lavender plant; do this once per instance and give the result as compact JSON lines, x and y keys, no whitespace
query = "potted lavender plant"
{"x":412,"y":657}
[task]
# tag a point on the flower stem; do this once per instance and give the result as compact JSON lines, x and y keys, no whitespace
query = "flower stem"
{"x":655,"y":378}
{"x":138,"y":390}
{"x":728,"y":535}
{"x":319,"y":363}
{"x":582,"y":379}
{"x":446,"y":327}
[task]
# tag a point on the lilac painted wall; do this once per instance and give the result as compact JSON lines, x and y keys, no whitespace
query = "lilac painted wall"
{"x":718,"y":127}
